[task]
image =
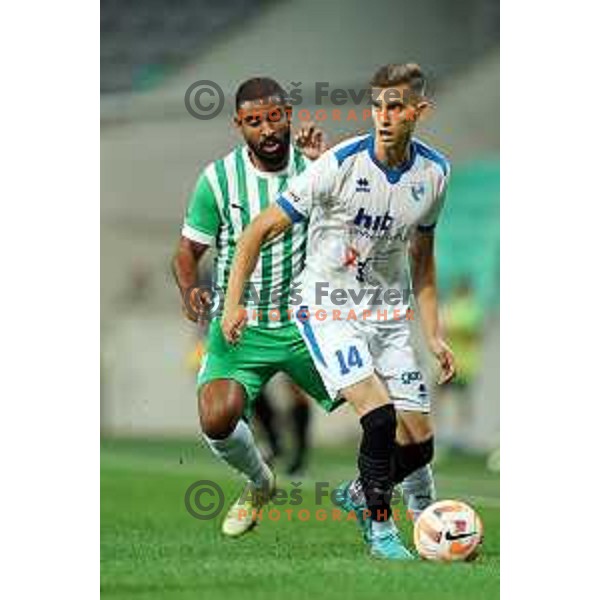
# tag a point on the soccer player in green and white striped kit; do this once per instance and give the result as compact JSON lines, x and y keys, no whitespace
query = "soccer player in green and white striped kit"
{"x":229,"y":193}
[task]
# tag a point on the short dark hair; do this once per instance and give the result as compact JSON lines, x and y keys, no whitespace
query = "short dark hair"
{"x":399,"y":74}
{"x":257,"y":88}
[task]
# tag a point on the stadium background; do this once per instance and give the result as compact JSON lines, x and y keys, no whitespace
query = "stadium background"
{"x":152,"y":151}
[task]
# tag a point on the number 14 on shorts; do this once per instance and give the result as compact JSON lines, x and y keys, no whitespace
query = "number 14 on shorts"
{"x":352,"y":360}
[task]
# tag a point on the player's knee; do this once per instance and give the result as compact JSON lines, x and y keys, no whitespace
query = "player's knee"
{"x":220,"y":407}
{"x":411,"y":457}
{"x":217,"y":424}
{"x":380,"y":421}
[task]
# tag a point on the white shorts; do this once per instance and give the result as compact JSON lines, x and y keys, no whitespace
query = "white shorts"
{"x":346,"y":352}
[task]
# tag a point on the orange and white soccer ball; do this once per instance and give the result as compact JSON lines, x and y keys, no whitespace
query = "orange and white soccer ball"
{"x":448,"y":530}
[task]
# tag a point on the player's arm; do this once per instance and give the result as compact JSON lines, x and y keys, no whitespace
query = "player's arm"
{"x":269,"y":224}
{"x":199,"y":231}
{"x":185,"y":270}
{"x":424,"y":278}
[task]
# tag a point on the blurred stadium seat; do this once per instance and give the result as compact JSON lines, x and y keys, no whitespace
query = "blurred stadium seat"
{"x":469,"y":240}
{"x":140,"y":42}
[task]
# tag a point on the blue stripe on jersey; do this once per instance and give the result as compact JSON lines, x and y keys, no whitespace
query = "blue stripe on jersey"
{"x":426,"y":228}
{"x":303,"y":316}
{"x":433,"y":155}
{"x":393,"y":174}
{"x":288,"y":208}
{"x":344,"y":152}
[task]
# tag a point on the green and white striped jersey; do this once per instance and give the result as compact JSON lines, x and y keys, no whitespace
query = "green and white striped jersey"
{"x":229,"y":193}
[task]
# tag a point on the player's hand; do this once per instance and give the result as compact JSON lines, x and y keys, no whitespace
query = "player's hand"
{"x":445,"y":358}
{"x":233,"y":322}
{"x":311,"y":140}
{"x":195,"y":303}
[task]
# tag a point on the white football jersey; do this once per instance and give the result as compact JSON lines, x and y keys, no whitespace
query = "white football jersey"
{"x":361,"y":216}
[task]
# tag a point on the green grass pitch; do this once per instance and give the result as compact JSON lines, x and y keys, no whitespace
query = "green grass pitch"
{"x":152,"y":548}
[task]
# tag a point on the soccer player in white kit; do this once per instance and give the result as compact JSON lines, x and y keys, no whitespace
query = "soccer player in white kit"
{"x":372,"y":203}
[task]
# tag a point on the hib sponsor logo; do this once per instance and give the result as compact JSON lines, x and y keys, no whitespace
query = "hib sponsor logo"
{"x":373,"y":222}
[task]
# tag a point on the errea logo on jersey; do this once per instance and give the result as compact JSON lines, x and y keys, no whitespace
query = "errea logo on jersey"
{"x":373,"y":222}
{"x":362,"y":184}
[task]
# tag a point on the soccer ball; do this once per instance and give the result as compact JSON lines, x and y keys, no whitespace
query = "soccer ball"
{"x":448,"y":530}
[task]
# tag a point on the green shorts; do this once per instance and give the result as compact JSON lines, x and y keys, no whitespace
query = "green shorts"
{"x":257,"y":357}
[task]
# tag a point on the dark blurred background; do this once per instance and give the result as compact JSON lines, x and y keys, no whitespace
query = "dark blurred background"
{"x":152,"y":151}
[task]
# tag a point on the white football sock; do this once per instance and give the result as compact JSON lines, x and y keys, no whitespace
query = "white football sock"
{"x":418,"y":490}
{"x":239,"y":451}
